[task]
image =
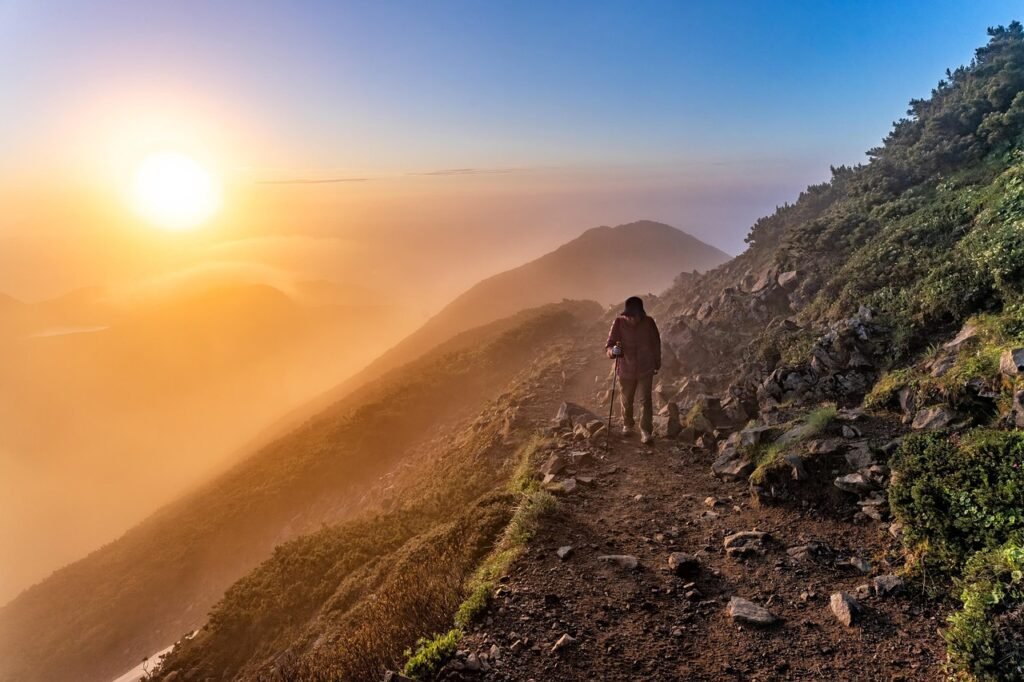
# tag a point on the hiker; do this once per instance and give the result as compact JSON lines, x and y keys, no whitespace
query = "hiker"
{"x":635,"y":343}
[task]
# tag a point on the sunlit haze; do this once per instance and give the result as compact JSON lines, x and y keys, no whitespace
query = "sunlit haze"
{"x":216,"y":216}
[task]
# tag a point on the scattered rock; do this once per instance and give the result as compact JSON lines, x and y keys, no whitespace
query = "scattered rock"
{"x":745,"y":543}
{"x":732,"y":466}
{"x":789,"y":280}
{"x":563,"y":642}
{"x":862,"y":565}
{"x":564,"y":552}
{"x":625,"y":561}
{"x":935,"y":417}
{"x":859,"y":455}
{"x":844,"y":607}
{"x":569,"y":485}
{"x":1011,"y":362}
{"x":887,"y":585}
{"x":712,"y":502}
{"x":854,"y":483}
{"x":752,"y":436}
{"x":747,"y":612}
{"x":967,"y":332}
{"x":582,"y":458}
{"x":554,"y":466}
{"x":682,"y":563}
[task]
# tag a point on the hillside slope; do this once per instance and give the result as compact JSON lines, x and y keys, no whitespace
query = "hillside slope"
{"x":144,"y":590}
{"x":203,"y":368}
{"x":853,"y":389}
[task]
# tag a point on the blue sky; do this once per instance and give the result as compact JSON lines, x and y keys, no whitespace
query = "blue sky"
{"x":765,"y":95}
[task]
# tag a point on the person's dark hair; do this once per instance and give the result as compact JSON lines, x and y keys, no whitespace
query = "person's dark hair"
{"x":634,"y":307}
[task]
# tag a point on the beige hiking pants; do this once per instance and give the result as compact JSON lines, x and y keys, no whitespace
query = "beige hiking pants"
{"x":629,"y":388}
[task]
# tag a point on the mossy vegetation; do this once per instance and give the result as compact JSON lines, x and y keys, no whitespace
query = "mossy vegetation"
{"x":430,"y":654}
{"x":974,"y":367}
{"x":986,"y":637}
{"x":962,"y":502}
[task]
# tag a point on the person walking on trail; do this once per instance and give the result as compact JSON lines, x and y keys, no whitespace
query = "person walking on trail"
{"x":635,"y":343}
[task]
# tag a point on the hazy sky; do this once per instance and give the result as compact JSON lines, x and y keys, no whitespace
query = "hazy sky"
{"x":556,"y":116}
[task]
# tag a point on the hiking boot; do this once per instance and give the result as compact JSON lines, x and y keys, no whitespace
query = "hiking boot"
{"x":627,"y":430}
{"x":646,"y":438}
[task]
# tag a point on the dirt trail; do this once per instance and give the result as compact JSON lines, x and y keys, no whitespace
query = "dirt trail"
{"x":640,"y":623}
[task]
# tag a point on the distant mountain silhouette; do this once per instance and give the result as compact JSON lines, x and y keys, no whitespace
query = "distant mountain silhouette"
{"x":604,"y":264}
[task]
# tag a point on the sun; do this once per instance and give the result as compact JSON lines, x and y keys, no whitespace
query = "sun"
{"x":174,"y":191}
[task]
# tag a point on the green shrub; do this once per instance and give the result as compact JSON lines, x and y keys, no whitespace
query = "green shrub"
{"x":957,"y":497}
{"x":986,"y":637}
{"x":818,"y":420}
{"x":431,"y":654}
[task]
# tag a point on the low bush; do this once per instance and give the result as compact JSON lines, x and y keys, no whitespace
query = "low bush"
{"x":986,"y":637}
{"x":957,"y":496}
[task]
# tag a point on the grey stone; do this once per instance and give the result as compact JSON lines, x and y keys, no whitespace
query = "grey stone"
{"x":844,"y":607}
{"x":747,"y":612}
{"x":887,"y":585}
{"x":564,"y":552}
{"x":745,"y":543}
{"x":625,"y":561}
{"x":935,"y":417}
{"x":854,"y":483}
{"x":1011,"y":362}
{"x":859,"y":456}
{"x":732,"y":466}
{"x":554,"y":465}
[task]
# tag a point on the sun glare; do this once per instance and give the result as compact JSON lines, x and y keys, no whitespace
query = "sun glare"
{"x":174,"y":191}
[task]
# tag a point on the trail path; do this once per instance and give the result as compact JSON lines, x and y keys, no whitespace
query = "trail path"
{"x":649,"y":624}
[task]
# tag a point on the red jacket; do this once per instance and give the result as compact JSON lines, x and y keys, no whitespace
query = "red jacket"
{"x":641,"y":346}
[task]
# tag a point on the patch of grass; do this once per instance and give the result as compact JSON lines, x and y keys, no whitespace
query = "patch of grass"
{"x":818,"y":420}
{"x":431,"y":654}
{"x":986,"y":636}
{"x":535,"y":504}
{"x":884,"y":394}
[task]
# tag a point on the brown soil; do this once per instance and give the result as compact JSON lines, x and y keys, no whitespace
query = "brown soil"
{"x":639,"y":624}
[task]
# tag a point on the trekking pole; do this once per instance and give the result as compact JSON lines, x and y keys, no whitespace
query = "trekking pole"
{"x":611,"y":404}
